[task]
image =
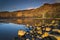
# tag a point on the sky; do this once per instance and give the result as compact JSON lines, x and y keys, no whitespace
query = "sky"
{"x":14,"y":5}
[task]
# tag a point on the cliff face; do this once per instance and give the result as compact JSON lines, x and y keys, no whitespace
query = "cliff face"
{"x":47,"y":11}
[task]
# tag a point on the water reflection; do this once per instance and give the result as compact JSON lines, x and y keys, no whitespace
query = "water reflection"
{"x":22,"y":21}
{"x":9,"y":30}
{"x":30,"y":21}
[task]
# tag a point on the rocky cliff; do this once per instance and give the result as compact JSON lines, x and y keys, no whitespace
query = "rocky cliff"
{"x":46,"y":10}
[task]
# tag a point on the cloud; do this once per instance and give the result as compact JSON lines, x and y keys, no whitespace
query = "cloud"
{"x":31,"y":8}
{"x":57,"y":1}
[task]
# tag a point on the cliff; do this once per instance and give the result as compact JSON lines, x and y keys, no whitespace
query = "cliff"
{"x":46,"y":10}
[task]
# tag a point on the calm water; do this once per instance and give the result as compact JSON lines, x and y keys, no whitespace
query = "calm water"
{"x":9,"y":30}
